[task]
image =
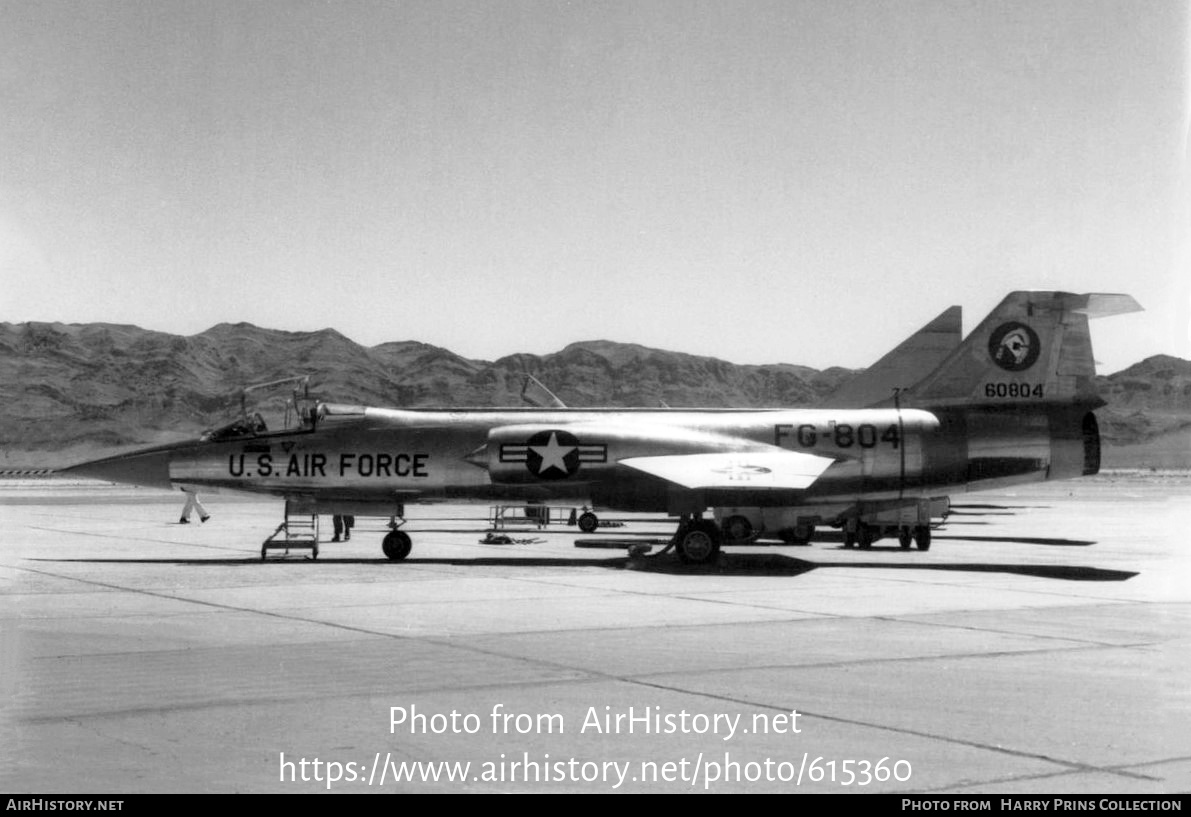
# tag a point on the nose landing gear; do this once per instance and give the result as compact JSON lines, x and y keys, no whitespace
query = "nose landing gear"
{"x":396,"y":545}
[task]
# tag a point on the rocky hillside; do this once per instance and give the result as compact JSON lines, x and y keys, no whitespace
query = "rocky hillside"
{"x":70,"y":391}
{"x":1148,"y":417}
{"x":73,"y":391}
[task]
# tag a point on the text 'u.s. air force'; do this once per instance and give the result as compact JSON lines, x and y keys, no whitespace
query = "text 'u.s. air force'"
{"x":378,"y":464}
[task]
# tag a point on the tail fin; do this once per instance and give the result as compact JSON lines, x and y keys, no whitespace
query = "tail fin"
{"x":915,"y":357}
{"x":1034,"y":347}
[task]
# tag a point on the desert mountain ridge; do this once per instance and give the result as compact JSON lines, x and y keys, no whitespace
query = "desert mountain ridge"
{"x":72,"y":391}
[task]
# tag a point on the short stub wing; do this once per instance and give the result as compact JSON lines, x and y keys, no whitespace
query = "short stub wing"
{"x":785,"y":470}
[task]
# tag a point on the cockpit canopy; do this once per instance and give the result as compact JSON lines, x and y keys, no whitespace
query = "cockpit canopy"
{"x":251,"y":426}
{"x":297,"y":411}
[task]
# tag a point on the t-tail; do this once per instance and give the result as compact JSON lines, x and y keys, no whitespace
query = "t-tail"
{"x":1033,"y":348}
{"x":1018,"y":394}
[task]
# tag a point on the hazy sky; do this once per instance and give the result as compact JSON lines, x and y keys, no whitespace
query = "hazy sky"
{"x":802,"y":182}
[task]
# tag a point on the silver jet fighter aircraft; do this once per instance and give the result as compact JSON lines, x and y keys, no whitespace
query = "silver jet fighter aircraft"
{"x":1012,"y":403}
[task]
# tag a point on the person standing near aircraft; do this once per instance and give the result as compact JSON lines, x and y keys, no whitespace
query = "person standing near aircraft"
{"x":343,"y":526}
{"x":192,"y":504}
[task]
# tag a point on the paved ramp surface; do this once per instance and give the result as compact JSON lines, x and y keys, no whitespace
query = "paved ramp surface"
{"x":1041,"y":645}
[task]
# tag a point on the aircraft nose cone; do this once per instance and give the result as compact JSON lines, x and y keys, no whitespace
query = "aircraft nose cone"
{"x":148,"y":468}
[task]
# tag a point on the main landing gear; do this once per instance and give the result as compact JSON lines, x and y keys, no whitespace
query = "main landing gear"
{"x":588,"y":522}
{"x":397,"y":544}
{"x":697,"y":541}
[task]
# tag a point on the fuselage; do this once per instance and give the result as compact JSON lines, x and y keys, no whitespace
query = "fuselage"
{"x":373,"y":455}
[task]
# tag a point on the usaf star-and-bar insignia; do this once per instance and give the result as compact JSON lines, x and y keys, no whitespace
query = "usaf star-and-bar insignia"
{"x":553,"y":454}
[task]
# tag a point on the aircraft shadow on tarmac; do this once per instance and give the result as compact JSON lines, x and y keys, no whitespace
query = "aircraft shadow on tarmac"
{"x":730,"y":564}
{"x":774,"y":564}
{"x":1024,"y":540}
{"x":826,"y":537}
{"x":833,"y":536}
{"x":987,"y":507}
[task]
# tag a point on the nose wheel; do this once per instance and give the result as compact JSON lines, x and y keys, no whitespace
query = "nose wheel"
{"x":396,"y":545}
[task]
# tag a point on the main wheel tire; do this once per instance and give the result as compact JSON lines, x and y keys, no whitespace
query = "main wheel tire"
{"x":396,"y":545}
{"x":865,"y":536}
{"x":922,"y":537}
{"x":699,"y":544}
{"x":904,"y":538}
{"x":588,"y":522}
{"x":849,"y":538}
{"x":737,"y":528}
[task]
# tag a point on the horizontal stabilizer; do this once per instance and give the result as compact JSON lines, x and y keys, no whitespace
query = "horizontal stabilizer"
{"x":761,"y":470}
{"x":1107,"y":304}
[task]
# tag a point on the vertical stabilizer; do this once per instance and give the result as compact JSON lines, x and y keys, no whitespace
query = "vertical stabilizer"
{"x":1033,"y":348}
{"x":914,"y":358}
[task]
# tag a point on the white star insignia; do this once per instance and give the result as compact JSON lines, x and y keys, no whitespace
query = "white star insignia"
{"x":553,"y":455}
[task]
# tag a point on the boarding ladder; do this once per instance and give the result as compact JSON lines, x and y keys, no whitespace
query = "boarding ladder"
{"x":299,"y":531}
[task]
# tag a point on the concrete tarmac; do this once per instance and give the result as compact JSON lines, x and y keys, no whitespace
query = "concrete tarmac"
{"x":1040,"y":646}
